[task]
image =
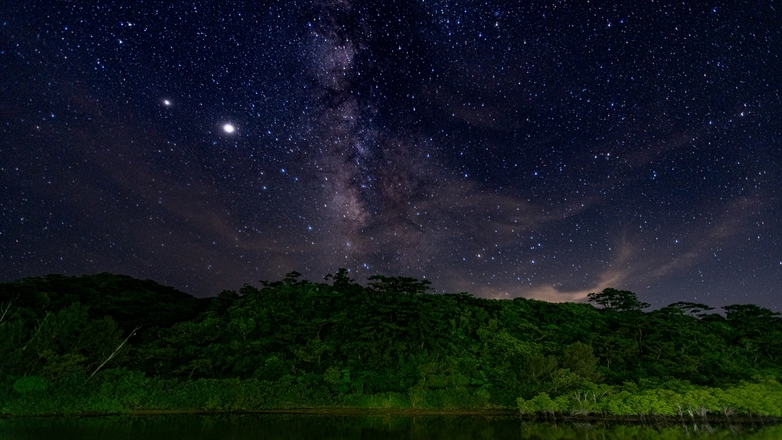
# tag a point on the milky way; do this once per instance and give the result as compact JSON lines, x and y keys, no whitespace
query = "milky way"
{"x":545,"y":150}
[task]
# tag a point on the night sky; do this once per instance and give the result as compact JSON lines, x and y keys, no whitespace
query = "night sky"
{"x":506,"y":149}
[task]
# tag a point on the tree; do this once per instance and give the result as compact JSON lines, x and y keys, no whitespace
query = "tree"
{"x":748,"y":313}
{"x":380,"y":283}
{"x":580,"y":359}
{"x":341,"y":280}
{"x":692,"y":309}
{"x":539,"y":366}
{"x":617,"y":300}
{"x":757,"y":329}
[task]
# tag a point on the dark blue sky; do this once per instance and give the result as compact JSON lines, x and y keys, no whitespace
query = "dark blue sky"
{"x":544,"y":150}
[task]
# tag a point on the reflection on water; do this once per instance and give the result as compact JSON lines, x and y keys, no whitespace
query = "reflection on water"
{"x":353,"y":427}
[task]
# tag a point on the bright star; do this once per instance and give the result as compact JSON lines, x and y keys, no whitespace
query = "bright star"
{"x":167,"y":103}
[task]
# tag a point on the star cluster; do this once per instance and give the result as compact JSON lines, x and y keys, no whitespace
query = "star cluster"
{"x":543,"y":149}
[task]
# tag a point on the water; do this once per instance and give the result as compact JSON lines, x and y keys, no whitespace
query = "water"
{"x":354,"y":427}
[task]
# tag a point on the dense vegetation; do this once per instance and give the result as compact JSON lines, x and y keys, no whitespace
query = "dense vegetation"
{"x":366,"y":426}
{"x":111,"y":343}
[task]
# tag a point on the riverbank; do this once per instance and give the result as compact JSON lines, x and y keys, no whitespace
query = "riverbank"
{"x":76,"y":346}
{"x":124,"y":392}
{"x":295,"y":426}
{"x":646,"y":420}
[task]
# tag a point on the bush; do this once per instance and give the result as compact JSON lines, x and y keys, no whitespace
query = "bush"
{"x":29,"y":384}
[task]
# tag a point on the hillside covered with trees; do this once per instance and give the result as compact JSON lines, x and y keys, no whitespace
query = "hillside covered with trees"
{"x":111,"y":343}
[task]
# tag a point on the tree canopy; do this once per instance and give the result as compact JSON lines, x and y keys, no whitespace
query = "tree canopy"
{"x":388,"y":337}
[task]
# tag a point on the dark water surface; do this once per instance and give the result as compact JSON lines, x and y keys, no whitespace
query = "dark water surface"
{"x":308,"y":426}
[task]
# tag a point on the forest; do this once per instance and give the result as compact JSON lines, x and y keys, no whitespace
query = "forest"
{"x":110,"y":343}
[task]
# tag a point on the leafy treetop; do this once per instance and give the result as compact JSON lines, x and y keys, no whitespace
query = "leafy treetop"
{"x":617,"y":300}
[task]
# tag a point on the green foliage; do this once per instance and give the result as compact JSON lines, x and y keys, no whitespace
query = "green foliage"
{"x":128,"y":301}
{"x":295,"y":343}
{"x":542,"y":403}
{"x":28,"y":384}
{"x":380,"y":283}
{"x":617,"y":300}
{"x":539,"y":367}
{"x":762,"y":397}
{"x":690,"y":308}
{"x":578,"y":357}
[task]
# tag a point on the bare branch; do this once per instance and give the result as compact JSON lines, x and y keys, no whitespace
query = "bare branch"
{"x":114,"y":353}
{"x":5,"y":310}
